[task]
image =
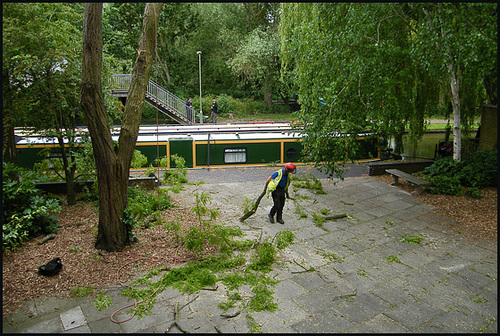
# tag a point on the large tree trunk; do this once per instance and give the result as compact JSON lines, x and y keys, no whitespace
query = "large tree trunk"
{"x":112,"y":234}
{"x":268,"y":91}
{"x":138,"y":86}
{"x":455,"y":103}
{"x":113,"y":166}
{"x":9,"y":145}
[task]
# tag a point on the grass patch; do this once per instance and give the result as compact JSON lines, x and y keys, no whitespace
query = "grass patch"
{"x":393,"y":258}
{"x":409,"y":239}
{"x":82,"y":291}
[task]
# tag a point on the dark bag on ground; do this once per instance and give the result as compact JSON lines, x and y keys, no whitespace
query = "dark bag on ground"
{"x":51,"y":268}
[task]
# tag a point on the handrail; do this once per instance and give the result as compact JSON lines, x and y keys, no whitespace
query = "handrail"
{"x":157,"y":94}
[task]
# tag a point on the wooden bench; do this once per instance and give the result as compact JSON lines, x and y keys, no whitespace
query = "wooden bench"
{"x":417,"y":182}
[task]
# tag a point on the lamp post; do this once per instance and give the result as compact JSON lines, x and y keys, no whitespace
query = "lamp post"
{"x":199,"y":66}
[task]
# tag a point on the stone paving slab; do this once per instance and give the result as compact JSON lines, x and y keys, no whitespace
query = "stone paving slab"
{"x":334,"y":279}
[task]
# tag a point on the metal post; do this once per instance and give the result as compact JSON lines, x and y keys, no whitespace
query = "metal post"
{"x":199,"y":66}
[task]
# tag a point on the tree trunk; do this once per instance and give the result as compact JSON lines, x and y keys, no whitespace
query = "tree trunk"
{"x":9,"y":150}
{"x":268,"y":91}
{"x":69,"y":171}
{"x":113,"y":167}
{"x":138,"y":86}
{"x":9,"y":146}
{"x":455,"y":102}
{"x":489,"y":128}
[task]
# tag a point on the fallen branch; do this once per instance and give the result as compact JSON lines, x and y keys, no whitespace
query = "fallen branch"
{"x":330,"y":217}
{"x":255,"y":206}
{"x":346,"y":296}
{"x":305,"y":269}
{"x":47,"y":238}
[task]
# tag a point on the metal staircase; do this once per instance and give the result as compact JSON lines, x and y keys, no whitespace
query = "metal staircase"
{"x":167,"y":103}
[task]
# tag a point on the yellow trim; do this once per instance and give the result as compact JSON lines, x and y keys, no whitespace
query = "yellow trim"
{"x":41,"y":146}
{"x":224,"y":142}
{"x":282,"y":152}
{"x":194,"y":155}
{"x":151,"y":143}
{"x":167,"y":153}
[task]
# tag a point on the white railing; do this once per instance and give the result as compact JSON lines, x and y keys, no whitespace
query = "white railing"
{"x":158,"y":94}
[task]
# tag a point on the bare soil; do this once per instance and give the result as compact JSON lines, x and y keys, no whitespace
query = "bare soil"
{"x":85,"y":266}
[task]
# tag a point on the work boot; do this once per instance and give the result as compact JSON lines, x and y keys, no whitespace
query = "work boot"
{"x":279,"y":220}
{"x":271,"y":219}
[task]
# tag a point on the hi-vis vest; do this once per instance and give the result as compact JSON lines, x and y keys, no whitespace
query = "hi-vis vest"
{"x":273,"y":184}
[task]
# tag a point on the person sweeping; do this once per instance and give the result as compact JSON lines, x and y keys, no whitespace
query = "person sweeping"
{"x":277,"y":184}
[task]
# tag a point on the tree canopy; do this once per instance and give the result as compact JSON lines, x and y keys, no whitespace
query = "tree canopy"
{"x":378,"y":67}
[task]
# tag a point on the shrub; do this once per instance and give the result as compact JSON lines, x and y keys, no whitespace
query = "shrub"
{"x":446,"y":166}
{"x":474,"y":192}
{"x":446,"y":175}
{"x":442,"y":184}
{"x":141,"y":203}
{"x":481,"y":170}
{"x":26,"y":210}
{"x":138,"y":159}
{"x":176,"y":176}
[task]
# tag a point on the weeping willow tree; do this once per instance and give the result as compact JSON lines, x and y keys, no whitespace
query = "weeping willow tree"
{"x":362,"y":66}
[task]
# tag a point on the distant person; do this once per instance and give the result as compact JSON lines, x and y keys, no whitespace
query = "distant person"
{"x":214,"y":111}
{"x":189,"y":109}
{"x":277,"y":184}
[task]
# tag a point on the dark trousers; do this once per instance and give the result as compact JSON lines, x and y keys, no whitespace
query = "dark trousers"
{"x":279,"y":203}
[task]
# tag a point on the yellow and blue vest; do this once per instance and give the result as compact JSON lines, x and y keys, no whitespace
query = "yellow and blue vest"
{"x":273,"y":184}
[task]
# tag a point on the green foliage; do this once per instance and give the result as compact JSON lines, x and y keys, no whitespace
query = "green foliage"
{"x":409,"y":239}
{"x":447,"y":185}
{"x":447,"y":176}
{"x":195,"y":238}
{"x":225,"y":267}
{"x":82,"y":291}
{"x":318,"y":220}
{"x":308,"y":181}
{"x":84,"y":160}
{"x":27,"y":211}
{"x":284,"y":239}
{"x":481,"y":170}
{"x":138,"y":159}
{"x":102,"y":301}
{"x":89,"y":194}
{"x":445,"y":166}
{"x":201,"y":209}
{"x":262,"y":299}
{"x":393,"y":69}
{"x":264,"y":257}
{"x":247,"y":205}
{"x":393,"y":258}
{"x":175,"y":177}
{"x":142,"y":203}
{"x":474,"y":192}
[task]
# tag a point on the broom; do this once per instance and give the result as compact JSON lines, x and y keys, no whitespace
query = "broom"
{"x":255,"y":206}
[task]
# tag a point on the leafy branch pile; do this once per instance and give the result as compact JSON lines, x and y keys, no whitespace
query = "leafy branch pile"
{"x":237,"y":262}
